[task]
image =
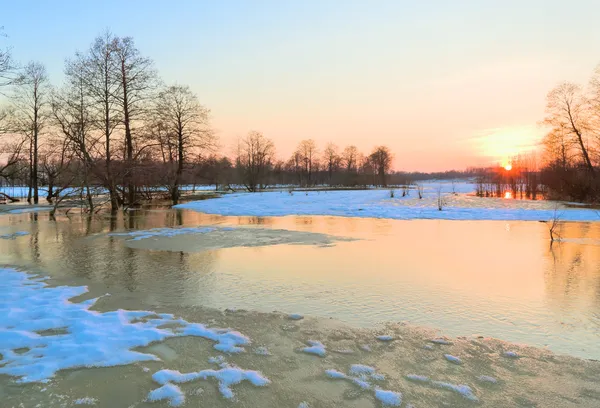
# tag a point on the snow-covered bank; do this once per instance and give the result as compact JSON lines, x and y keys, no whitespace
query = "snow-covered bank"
{"x":380,"y":204}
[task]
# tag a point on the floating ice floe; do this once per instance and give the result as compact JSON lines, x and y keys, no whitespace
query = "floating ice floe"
{"x":226,"y":377}
{"x":464,"y":390}
{"x":57,"y":334}
{"x":316,"y":347}
{"x":453,"y":359}
{"x":14,"y":235}
{"x":138,"y":235}
{"x":363,"y":376}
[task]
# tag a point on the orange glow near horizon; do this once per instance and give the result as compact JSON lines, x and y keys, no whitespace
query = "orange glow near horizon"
{"x":508,"y":167}
{"x":508,"y":195}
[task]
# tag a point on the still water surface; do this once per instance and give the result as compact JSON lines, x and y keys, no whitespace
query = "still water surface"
{"x":498,"y":279}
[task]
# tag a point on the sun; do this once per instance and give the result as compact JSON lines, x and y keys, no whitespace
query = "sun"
{"x":508,"y":167}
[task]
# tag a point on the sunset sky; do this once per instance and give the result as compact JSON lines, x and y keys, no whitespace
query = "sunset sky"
{"x":445,"y":84}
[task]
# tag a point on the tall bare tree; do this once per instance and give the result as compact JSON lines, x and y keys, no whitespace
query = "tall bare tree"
{"x":184,"y":124}
{"x":307,"y":149}
{"x":31,"y":99}
{"x":7,"y":65}
{"x":138,"y":81}
{"x":331,"y":160}
{"x":255,"y":153}
{"x":567,"y":112}
{"x":381,"y":161}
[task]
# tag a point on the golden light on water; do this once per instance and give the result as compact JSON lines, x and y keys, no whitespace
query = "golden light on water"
{"x":508,"y":195}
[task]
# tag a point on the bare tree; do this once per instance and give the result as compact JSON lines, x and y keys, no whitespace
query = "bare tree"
{"x":255,"y":153}
{"x":331,"y":159}
{"x":184,"y":124}
{"x":138,"y":81}
{"x":567,"y":113}
{"x":350,"y":158}
{"x":98,"y":70}
{"x":441,"y":200}
{"x":307,"y":150}
{"x":555,"y":225}
{"x":381,"y":160}
{"x":7,"y":65}
{"x":31,"y":111}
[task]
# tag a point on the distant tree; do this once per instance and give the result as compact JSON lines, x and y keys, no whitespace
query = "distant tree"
{"x":350,"y":158}
{"x":307,"y":150}
{"x":255,"y":154}
{"x":381,"y":160}
{"x":184,"y":124}
{"x":331,"y":160}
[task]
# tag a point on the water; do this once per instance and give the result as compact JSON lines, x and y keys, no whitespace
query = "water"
{"x":496,"y":279}
{"x":475,"y":279}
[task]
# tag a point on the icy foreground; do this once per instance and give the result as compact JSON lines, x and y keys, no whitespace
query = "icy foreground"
{"x":42,"y":332}
{"x":379,"y":204}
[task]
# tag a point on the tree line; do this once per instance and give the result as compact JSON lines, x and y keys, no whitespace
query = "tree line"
{"x":114,"y":126}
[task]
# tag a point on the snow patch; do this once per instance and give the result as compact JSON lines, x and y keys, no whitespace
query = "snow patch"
{"x":169,"y":392}
{"x":487,"y":379}
{"x":316,"y":347}
{"x":75,"y":336}
{"x":363,"y":376}
{"x":226,"y":377}
{"x":464,"y":390}
{"x":389,"y":398}
{"x":14,"y":235}
{"x":295,"y":316}
{"x":385,"y":337}
{"x":85,"y":401}
{"x":453,"y":359}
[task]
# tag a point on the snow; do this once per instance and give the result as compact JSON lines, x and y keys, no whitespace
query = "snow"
{"x":363,"y":376}
{"x":365,"y":347}
{"x":441,"y":341}
{"x":385,"y":337}
{"x":389,"y":398}
{"x":59,"y":334}
{"x":262,"y":351}
{"x":304,"y":404}
{"x":295,"y":316}
{"x":226,"y":377}
{"x":487,"y":379}
{"x":85,"y":401}
{"x":23,"y":210}
{"x":463,"y":390}
{"x":138,"y":235}
{"x":316,"y":347}
{"x":378,"y":204}
{"x":14,"y":235}
{"x":169,"y":392}
{"x":510,"y":354}
{"x":453,"y":359}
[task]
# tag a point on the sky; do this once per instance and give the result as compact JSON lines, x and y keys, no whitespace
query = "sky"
{"x":444,"y":84}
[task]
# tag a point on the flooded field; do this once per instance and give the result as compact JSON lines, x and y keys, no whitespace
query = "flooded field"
{"x":372,"y":292}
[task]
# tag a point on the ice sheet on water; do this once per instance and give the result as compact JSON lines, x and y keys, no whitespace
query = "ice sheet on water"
{"x":75,"y":336}
{"x":138,"y":235}
{"x":14,"y":235}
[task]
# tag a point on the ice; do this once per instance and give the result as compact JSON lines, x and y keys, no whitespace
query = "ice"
{"x":453,"y":359}
{"x":428,"y":347}
{"x":316,"y":347}
{"x":295,"y":316}
{"x":81,"y":337}
{"x":510,"y":354}
{"x":487,"y":379}
{"x":304,"y":404}
{"x":85,"y":401}
{"x":138,"y":235}
{"x":418,"y":378}
{"x":365,"y":347}
{"x":14,"y":235}
{"x":464,"y":390}
{"x":385,"y":337}
{"x":461,"y":389}
{"x":262,"y":351}
{"x":363,"y":376}
{"x":373,"y":203}
{"x":441,"y":341}
{"x":358,"y":369}
{"x":169,"y":392}
{"x":28,"y":210}
{"x":389,"y":398}
{"x":226,"y":377}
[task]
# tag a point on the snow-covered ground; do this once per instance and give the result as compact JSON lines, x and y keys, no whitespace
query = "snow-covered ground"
{"x":457,"y":205}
